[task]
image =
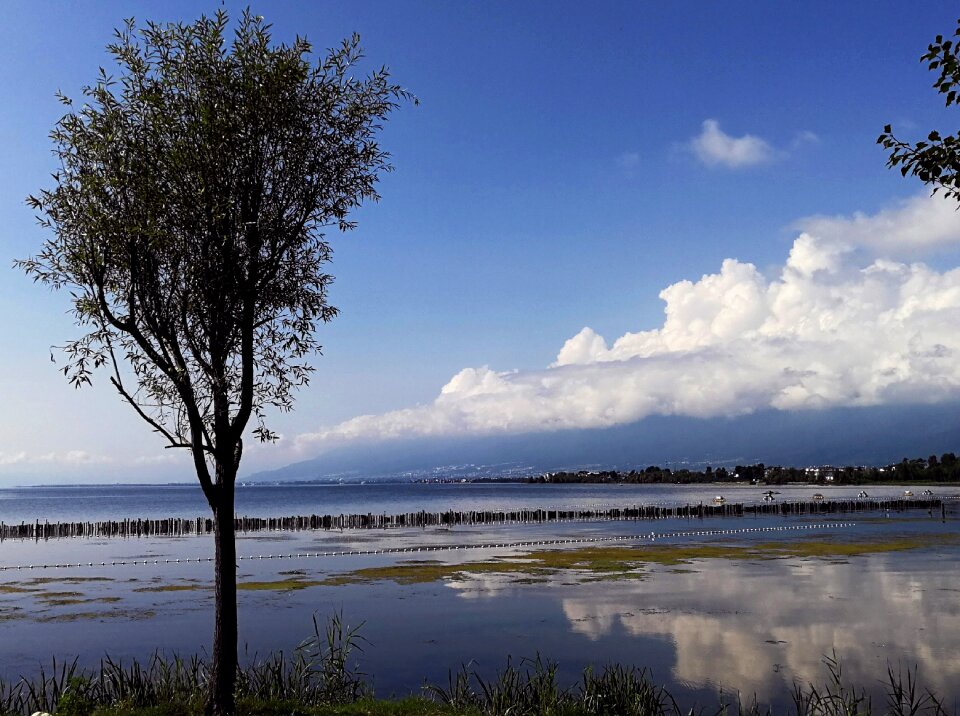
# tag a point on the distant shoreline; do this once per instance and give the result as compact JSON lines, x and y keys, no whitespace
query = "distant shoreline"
{"x":373,"y":482}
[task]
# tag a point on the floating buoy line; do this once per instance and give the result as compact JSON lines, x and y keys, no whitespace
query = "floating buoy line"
{"x":646,"y":536}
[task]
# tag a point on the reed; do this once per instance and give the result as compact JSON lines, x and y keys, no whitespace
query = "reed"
{"x":320,"y":672}
{"x":320,"y":678}
{"x":904,"y":697}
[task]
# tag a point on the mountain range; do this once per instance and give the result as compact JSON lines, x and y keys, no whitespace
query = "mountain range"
{"x":846,"y":436}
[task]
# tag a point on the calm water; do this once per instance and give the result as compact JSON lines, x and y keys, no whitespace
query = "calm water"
{"x":68,"y":504}
{"x":753,"y":626}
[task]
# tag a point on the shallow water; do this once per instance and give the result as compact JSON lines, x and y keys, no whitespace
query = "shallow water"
{"x":751,"y":625}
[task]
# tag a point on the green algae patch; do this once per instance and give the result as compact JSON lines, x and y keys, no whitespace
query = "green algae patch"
{"x":279,"y":585}
{"x":131,"y":614}
{"x":614,"y":562}
{"x":53,"y":596}
{"x":535,"y":565}
{"x":419,"y":573}
{"x":10,"y":613}
{"x":72,"y":601}
{"x":828,"y":549}
{"x":16,"y":589}
{"x":173,"y":588}
{"x":68,"y":580}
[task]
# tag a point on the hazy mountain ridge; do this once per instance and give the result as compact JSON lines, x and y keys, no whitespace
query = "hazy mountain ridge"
{"x":854,"y":436}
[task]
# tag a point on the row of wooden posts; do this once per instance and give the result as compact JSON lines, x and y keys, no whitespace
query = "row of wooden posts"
{"x":176,"y":527}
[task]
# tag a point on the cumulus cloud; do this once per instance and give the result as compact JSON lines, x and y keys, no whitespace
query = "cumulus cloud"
{"x":836,"y":326}
{"x":918,"y":224}
{"x":714,"y":147}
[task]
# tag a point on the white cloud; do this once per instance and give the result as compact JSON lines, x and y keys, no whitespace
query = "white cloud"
{"x":918,"y":224}
{"x":12,"y":458}
{"x":714,"y":147}
{"x":835,"y":327}
{"x":804,"y":138}
{"x":70,"y":457}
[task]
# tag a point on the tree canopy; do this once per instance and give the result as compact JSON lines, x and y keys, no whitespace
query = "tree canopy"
{"x":188,"y":217}
{"x":935,"y":161}
{"x":187,"y":220}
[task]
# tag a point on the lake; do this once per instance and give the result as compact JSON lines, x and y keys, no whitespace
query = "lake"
{"x":739,"y":605}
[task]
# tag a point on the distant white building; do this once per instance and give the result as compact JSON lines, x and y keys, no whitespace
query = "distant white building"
{"x":826,"y":472}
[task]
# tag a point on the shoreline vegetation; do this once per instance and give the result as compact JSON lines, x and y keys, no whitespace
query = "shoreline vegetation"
{"x":933,"y":470}
{"x":322,"y":677}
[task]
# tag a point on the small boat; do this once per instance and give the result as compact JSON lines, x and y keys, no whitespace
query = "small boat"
{"x":927,"y":492}
{"x":719,"y":500}
{"x":768,"y":496}
{"x":862,"y":493}
{"x":817,"y":497}
{"x":907,"y":493}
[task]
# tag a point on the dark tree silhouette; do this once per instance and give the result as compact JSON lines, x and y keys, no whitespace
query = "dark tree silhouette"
{"x":187,"y":221}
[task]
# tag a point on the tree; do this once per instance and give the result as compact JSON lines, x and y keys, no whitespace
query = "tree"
{"x":187,"y":221}
{"x":936,"y":161}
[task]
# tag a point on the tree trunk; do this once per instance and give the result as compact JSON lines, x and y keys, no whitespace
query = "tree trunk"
{"x":224,"y":669}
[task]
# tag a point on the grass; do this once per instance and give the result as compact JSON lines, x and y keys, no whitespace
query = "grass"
{"x":319,"y":673}
{"x":320,"y":680}
{"x":411,"y":706}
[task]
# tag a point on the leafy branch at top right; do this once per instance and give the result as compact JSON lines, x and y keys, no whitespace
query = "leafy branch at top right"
{"x":935,"y":161}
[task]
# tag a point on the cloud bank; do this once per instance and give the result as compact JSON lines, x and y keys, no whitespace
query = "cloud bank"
{"x":841,"y":324}
{"x":70,"y":457}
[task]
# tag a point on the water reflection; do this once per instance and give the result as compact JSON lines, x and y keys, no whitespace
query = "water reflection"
{"x":750,"y":625}
{"x":757,"y":628}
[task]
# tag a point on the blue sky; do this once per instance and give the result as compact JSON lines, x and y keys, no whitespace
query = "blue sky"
{"x":567,"y":163}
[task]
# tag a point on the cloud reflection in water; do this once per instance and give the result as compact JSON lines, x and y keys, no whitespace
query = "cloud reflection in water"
{"x":759,"y":626}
